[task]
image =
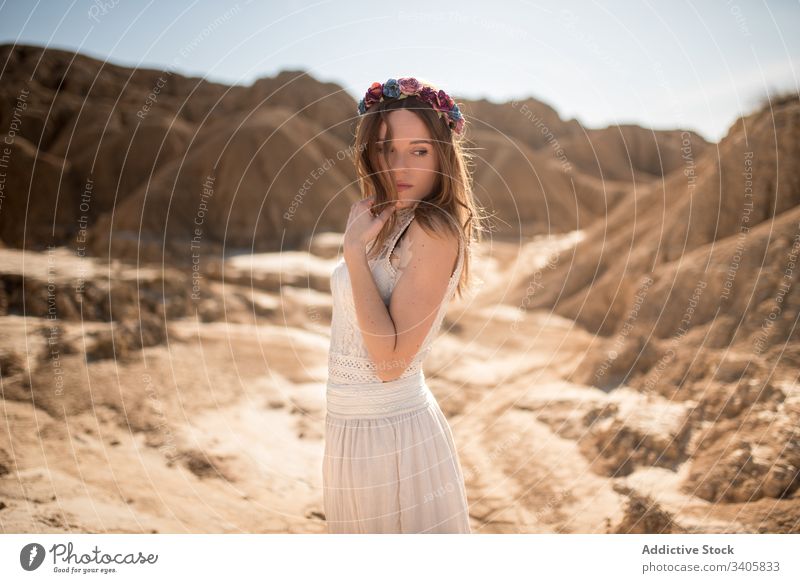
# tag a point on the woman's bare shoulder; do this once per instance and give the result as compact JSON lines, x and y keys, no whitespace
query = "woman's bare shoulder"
{"x":428,"y":250}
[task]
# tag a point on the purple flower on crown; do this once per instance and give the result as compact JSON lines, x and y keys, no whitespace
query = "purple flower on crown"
{"x":428,"y":95}
{"x":443,"y":101}
{"x":409,"y":85}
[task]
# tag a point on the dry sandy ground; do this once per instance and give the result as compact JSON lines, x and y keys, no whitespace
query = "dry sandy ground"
{"x":220,"y":429}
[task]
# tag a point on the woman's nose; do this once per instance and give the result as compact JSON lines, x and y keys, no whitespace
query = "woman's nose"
{"x":397,"y":160}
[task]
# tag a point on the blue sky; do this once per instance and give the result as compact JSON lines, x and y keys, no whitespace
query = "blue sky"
{"x":659,"y":64}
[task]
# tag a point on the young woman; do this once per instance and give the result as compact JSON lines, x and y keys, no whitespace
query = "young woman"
{"x":390,"y":462}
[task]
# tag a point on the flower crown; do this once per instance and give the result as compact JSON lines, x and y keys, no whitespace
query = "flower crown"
{"x":405,"y":87}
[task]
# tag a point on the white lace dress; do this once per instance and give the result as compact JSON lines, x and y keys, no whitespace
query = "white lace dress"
{"x":390,"y":463}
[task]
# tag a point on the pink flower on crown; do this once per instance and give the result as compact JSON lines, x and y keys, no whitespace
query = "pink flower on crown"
{"x":409,"y":85}
{"x":374,"y":94}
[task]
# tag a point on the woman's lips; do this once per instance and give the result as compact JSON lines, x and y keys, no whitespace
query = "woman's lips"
{"x":403,"y":186}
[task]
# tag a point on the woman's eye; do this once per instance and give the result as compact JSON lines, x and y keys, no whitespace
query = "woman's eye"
{"x":419,"y":153}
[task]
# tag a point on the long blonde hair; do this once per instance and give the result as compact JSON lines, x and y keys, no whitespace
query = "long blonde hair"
{"x":451,"y":205}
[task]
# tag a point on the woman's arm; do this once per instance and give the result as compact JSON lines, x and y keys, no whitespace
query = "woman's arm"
{"x":393,"y":336}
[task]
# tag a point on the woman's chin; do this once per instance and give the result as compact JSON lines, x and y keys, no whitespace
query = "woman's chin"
{"x":404,"y":202}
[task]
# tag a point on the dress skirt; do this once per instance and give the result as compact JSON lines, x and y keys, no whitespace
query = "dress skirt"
{"x":390,"y":463}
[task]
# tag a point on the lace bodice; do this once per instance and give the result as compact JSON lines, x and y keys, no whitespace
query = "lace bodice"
{"x":348,"y":359}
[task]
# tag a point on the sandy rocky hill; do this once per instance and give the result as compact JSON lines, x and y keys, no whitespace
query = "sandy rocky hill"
{"x":157,"y":380}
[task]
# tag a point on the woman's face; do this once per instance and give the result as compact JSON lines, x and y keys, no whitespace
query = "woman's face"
{"x":412,"y":158}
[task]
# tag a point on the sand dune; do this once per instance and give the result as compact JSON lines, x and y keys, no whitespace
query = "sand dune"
{"x":218,"y":428}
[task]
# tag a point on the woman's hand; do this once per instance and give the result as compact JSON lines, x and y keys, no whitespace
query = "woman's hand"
{"x":362,"y":227}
